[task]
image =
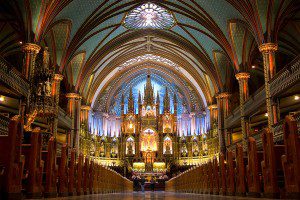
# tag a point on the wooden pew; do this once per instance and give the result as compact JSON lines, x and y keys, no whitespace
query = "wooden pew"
{"x":291,"y":158}
{"x":13,"y":162}
{"x":222,"y":181}
{"x":210,"y":177}
{"x":35,"y":165}
{"x":206,"y":179}
{"x":51,"y":170}
{"x":86,"y":176}
{"x":253,"y":169}
{"x":271,"y":166}
{"x":95,"y":179}
{"x":240,"y":171}
{"x":91,"y":177}
{"x":201,"y":178}
{"x":79,"y":175}
{"x":230,"y":174}
{"x":71,"y":174}
{"x":198,"y":180}
{"x":216,"y":178}
{"x":63,"y":172}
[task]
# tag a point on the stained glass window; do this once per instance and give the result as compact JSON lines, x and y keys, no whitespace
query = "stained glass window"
{"x":149,"y":15}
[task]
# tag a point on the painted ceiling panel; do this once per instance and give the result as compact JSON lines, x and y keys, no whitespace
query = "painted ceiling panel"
{"x":237,"y":33}
{"x":221,"y":62}
{"x":75,"y":66}
{"x":61,"y":33}
{"x":220,"y":11}
{"x":88,"y":85}
{"x":90,"y":45}
{"x":78,"y":11}
{"x":207,"y":43}
{"x":186,"y":20}
{"x":113,"y":35}
{"x":111,"y":21}
{"x":35,"y":6}
{"x":182,"y":32}
{"x":190,"y":3}
{"x":262,"y":7}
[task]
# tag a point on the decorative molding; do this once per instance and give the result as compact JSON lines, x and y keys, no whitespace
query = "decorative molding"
{"x":58,"y":77}
{"x":223,"y":95}
{"x":268,"y":47}
{"x":242,"y":75}
{"x":85,"y":107}
{"x":30,"y":47}
{"x":73,"y":95}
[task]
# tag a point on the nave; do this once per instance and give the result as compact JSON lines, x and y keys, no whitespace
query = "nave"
{"x":195,"y":98}
{"x":153,"y":196}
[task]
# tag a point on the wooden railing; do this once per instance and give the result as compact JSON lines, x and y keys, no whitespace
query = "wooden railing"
{"x":13,"y":78}
{"x":4,"y":121}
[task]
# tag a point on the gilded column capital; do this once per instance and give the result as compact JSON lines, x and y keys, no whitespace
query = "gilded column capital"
{"x":212,"y":106}
{"x":58,"y":77}
{"x":268,"y":47}
{"x":242,"y":76}
{"x":31,"y":47}
{"x":73,"y":95}
{"x":223,"y":95}
{"x":85,"y":107}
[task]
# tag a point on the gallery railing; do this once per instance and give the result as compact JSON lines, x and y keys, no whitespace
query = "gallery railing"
{"x":13,"y":78}
{"x":283,"y":80}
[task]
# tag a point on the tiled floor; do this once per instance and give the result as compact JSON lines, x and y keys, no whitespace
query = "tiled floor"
{"x":152,"y":195}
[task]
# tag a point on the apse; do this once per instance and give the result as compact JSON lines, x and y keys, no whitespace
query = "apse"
{"x":138,"y":83}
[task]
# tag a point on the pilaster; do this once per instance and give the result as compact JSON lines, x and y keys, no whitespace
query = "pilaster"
{"x":31,"y":50}
{"x":243,"y":78}
{"x":268,"y":51}
{"x":56,"y":92}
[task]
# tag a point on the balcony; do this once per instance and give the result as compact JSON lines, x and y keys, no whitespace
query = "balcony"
{"x":13,"y":79}
{"x":4,"y":121}
{"x":282,"y":81}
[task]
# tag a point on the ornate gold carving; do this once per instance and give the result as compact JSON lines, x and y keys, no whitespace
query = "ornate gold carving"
{"x":242,"y":75}
{"x":73,"y":95}
{"x":30,"y":120}
{"x":30,"y":47}
{"x":58,"y":77}
{"x":213,"y":106}
{"x":268,"y":47}
{"x":16,"y":118}
{"x":223,"y":95}
{"x":85,"y":107}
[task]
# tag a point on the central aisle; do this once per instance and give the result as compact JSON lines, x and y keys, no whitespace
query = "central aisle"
{"x":154,"y":196}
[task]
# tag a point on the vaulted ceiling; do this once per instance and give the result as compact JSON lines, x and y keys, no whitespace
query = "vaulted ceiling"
{"x":209,"y":42}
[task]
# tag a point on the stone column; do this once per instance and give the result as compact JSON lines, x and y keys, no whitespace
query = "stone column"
{"x":212,"y":116}
{"x":31,"y":50}
{"x":84,"y":116}
{"x":55,"y":92}
{"x":268,"y":51}
{"x":74,"y":104}
{"x":222,"y":102}
{"x":242,"y":78}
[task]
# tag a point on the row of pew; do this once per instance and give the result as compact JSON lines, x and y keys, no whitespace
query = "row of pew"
{"x":41,"y":173}
{"x":273,"y":172}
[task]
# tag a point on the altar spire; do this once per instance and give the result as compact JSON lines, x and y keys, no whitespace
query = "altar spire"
{"x":130,"y":102}
{"x":148,"y":92}
{"x":167,"y":102}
